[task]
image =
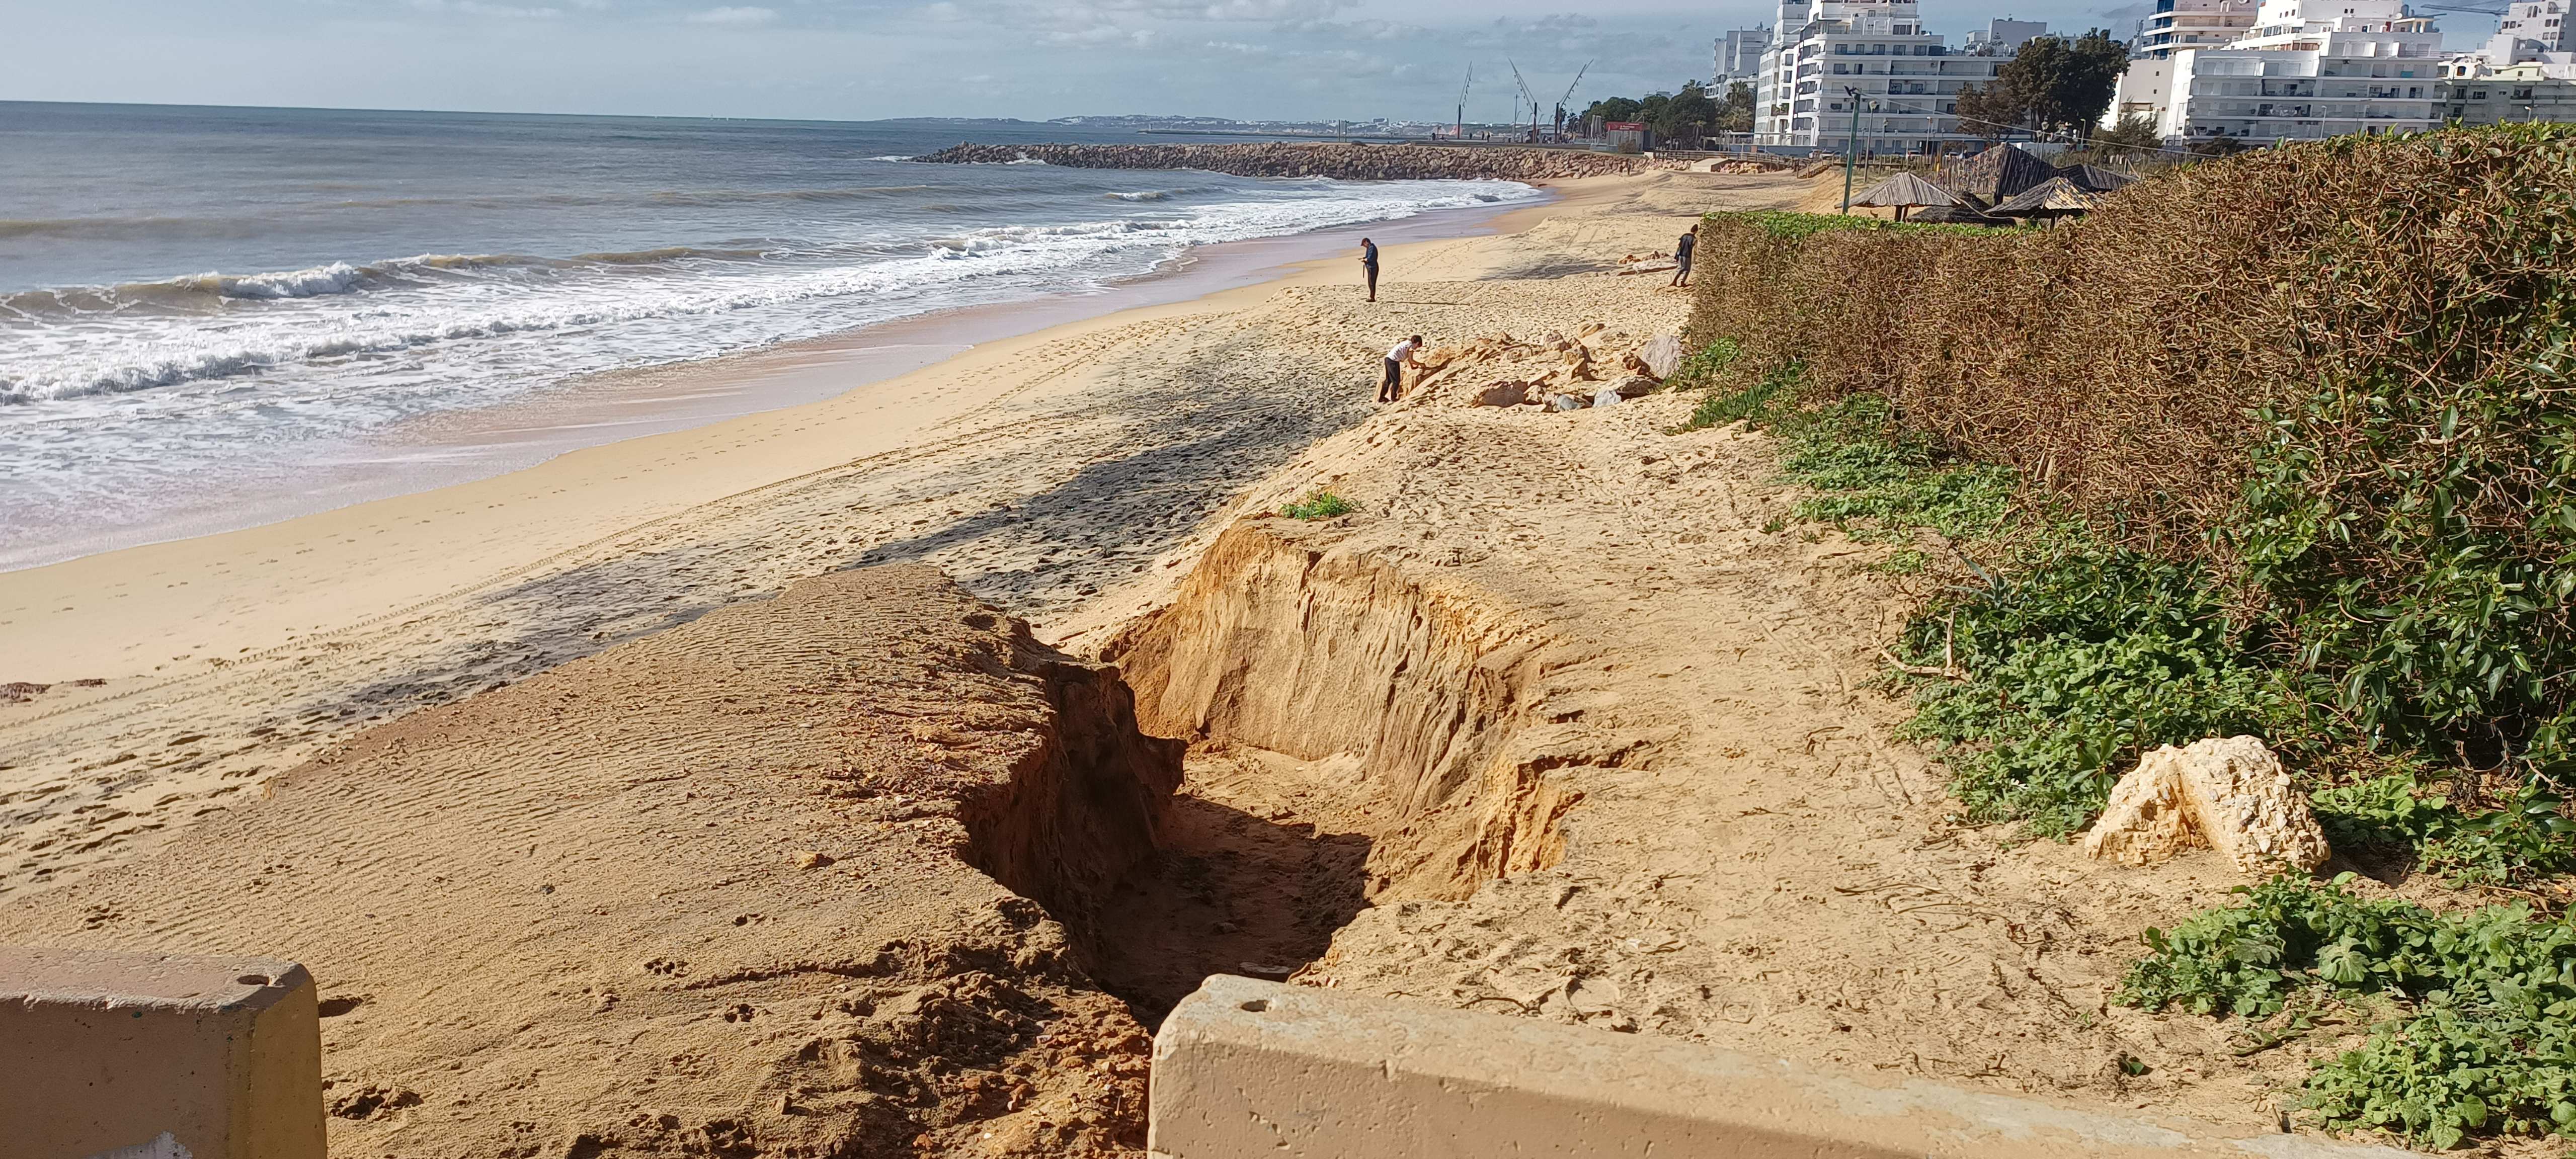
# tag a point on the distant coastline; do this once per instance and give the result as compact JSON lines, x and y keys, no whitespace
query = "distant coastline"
{"x":1345,"y":162}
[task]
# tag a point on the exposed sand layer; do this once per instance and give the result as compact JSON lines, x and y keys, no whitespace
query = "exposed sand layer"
{"x":715,"y":891}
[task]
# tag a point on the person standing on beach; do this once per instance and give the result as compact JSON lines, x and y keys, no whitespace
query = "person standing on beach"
{"x":1392,"y":387}
{"x":1368,"y":265}
{"x":1682,"y":257}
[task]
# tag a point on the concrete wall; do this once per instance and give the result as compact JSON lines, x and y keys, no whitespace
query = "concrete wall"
{"x":100,"y":1052}
{"x":1245,"y":1068}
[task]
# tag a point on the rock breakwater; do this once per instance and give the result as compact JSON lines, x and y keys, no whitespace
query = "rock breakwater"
{"x":1299,"y":159}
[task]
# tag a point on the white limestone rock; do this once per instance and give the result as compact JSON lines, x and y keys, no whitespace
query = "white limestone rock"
{"x":1662,"y":354}
{"x":2231,"y":794}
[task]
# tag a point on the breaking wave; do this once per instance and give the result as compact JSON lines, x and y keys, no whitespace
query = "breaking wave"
{"x":534,"y":318}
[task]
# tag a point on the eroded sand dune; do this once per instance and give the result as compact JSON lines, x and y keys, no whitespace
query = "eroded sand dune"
{"x":714,"y":891}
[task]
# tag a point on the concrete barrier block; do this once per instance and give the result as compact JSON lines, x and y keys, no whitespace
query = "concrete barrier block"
{"x":1246,"y":1068}
{"x":106,"y":1052}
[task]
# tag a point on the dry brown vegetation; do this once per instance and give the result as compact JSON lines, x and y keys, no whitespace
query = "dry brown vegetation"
{"x":2332,"y":373}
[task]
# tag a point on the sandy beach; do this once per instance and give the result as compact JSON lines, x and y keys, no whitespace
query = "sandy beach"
{"x":1570,"y":718}
{"x":1039,"y":469}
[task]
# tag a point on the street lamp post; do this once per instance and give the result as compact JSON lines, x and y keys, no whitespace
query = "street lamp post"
{"x":1851,"y":146}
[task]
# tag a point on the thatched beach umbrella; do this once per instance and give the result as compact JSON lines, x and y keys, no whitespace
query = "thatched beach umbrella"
{"x":2094,"y":178}
{"x":1958,"y":215}
{"x":1906,"y":191}
{"x":2054,"y":198}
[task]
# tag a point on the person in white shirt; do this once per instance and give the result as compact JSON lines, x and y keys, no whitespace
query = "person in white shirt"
{"x":1396,"y":360}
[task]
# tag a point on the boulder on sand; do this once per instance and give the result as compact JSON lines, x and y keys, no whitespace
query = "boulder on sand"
{"x":2230,"y":793}
{"x":1662,"y":355}
{"x":1635,"y":386}
{"x":1567,"y":402}
{"x":1503,"y":394}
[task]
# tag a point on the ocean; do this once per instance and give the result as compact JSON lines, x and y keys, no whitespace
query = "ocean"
{"x":202,"y":308}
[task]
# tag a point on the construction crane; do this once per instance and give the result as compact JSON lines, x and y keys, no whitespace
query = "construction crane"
{"x":1460,"y":131}
{"x":1569,"y":95}
{"x":1527,"y":97}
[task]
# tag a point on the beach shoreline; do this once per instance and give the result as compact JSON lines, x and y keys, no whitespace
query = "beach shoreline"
{"x":153,"y":685}
{"x":60,"y":645}
{"x":449,"y":447}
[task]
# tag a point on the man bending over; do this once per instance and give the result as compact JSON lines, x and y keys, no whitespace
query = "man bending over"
{"x":1396,"y":360}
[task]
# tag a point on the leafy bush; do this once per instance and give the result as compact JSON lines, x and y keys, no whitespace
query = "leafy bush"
{"x":2332,"y":374}
{"x":2485,"y":1033}
{"x":2380,"y":813}
{"x":1318,"y":504}
{"x":2309,"y":407}
{"x":2074,"y":664}
{"x":2523,"y":840}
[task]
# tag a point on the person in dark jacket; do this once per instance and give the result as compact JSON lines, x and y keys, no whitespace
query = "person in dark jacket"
{"x":1368,"y":265}
{"x":1682,"y":257}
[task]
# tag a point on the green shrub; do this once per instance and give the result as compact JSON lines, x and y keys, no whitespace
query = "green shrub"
{"x":2073,"y":664}
{"x":2523,"y":840}
{"x":2334,"y":374}
{"x":2310,"y":409}
{"x":2484,"y":1037}
{"x":1319,"y":503}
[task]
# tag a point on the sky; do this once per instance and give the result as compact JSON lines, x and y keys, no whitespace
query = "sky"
{"x":865,"y":59}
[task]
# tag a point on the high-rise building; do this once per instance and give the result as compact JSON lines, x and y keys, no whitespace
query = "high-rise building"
{"x":2193,"y":24}
{"x":1739,"y":57}
{"x":1866,"y":71}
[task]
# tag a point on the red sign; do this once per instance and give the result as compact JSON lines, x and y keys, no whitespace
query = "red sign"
{"x":1625,"y":126}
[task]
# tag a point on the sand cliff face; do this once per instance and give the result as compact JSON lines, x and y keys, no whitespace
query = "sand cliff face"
{"x":1286,"y":640}
{"x":1318,"y":159}
{"x":715,"y":891}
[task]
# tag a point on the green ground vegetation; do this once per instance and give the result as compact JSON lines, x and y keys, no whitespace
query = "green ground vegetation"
{"x":1319,"y":503}
{"x":2472,"y":1012}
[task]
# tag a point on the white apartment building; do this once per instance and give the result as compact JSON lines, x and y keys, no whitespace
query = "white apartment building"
{"x":2306,"y":69}
{"x":2003,"y":36}
{"x":2476,"y":92}
{"x":1908,"y":81}
{"x":1739,"y":57}
{"x":2530,"y":31}
{"x":2180,"y":24}
{"x":2176,"y":24}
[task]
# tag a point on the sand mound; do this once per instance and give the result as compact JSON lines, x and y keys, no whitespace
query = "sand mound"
{"x":714,"y":891}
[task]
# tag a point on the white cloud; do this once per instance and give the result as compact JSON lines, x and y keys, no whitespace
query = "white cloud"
{"x":733,"y":16}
